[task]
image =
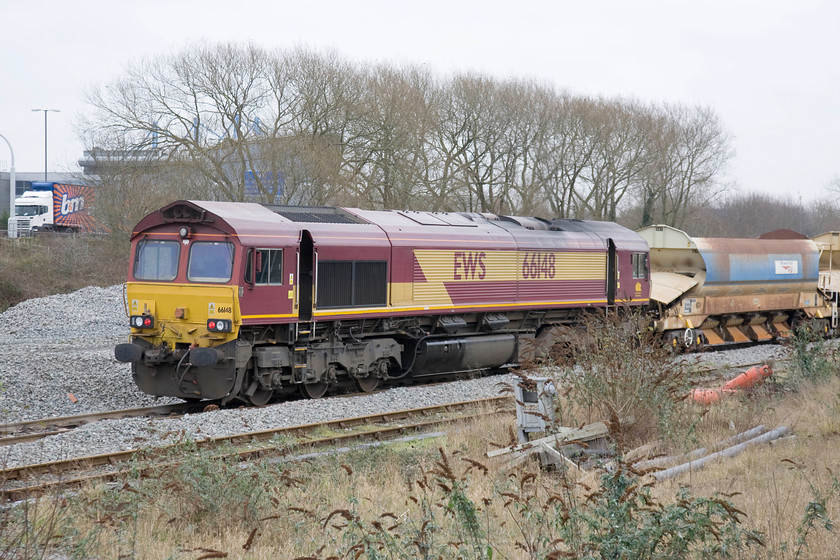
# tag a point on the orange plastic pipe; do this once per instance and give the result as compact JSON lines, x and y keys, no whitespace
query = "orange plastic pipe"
{"x":749,"y":378}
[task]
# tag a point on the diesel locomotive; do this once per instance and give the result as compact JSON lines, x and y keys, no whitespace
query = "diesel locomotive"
{"x":244,"y":301}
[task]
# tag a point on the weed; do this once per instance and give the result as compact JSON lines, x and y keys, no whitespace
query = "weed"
{"x":556,"y":518}
{"x":816,"y":514}
{"x":614,"y":369}
{"x":30,"y":528}
{"x":203,"y":486}
{"x":811,"y":358}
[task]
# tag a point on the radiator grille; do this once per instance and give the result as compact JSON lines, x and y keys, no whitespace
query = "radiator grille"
{"x":352,"y":284}
{"x":316,"y":214}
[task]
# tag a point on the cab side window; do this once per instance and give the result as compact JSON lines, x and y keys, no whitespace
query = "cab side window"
{"x":269,"y":267}
{"x":640,"y":265}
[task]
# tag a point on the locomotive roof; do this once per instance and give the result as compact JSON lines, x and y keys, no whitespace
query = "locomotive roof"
{"x":334,"y":226}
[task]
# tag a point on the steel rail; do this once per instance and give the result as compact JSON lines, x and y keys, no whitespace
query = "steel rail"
{"x":33,"y":430}
{"x":300,"y":431}
{"x":80,"y":419}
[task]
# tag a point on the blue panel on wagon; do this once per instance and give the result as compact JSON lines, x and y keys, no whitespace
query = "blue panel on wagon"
{"x":725,"y":265}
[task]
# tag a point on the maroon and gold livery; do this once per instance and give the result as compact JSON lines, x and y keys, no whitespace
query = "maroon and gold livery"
{"x":240,"y":300}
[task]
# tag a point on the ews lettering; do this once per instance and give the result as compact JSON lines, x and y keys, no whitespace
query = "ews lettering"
{"x":469,"y":265}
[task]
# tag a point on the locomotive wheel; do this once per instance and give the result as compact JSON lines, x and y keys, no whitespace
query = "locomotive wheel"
{"x":313,"y":390}
{"x":367,"y":384}
{"x":261,"y":397}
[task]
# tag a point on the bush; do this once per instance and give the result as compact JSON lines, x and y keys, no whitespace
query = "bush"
{"x":563,"y":519}
{"x":811,"y":359}
{"x":615,"y":369}
{"x":29,"y":528}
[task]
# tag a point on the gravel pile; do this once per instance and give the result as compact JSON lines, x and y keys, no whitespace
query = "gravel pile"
{"x":61,"y":345}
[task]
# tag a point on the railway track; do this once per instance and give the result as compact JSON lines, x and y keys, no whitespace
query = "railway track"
{"x":33,"y":430}
{"x":104,"y":467}
{"x":25,"y":481}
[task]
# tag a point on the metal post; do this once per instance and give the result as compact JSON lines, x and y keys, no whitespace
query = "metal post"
{"x":11,"y":180}
{"x":45,"y":136}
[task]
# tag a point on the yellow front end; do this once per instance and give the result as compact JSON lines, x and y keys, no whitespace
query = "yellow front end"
{"x":181,"y":313}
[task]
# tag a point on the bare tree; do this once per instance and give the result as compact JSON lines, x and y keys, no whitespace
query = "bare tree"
{"x":388,"y":154}
{"x":201,"y":105}
{"x":691,"y":150}
{"x":619,"y":156}
{"x":563,"y":154}
{"x":471,"y":142}
{"x":752,"y":214}
{"x":235,"y":122}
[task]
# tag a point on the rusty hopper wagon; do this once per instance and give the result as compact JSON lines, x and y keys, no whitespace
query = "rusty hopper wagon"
{"x":711,"y":291}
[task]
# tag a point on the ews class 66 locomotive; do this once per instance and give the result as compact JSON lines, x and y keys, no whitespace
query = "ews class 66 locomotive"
{"x":240,"y":301}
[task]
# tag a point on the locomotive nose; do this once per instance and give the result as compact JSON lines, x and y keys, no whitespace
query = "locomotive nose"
{"x":128,"y":353}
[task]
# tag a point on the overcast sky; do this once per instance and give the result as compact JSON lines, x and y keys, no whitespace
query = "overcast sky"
{"x":769,"y":68}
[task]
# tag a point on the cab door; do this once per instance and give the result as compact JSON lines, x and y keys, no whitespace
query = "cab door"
{"x":612,"y":272}
{"x":267,"y":294}
{"x":306,"y":277}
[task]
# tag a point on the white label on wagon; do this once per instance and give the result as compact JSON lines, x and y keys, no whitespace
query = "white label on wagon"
{"x":787,"y":267}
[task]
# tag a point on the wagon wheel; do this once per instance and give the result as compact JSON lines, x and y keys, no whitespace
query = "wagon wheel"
{"x":313,"y":390}
{"x":261,"y":397}
{"x":688,"y":338}
{"x":367,"y":384}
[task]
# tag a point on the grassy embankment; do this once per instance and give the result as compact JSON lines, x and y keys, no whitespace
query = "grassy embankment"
{"x":44,"y":265}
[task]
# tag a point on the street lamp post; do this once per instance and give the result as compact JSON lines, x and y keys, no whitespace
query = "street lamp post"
{"x":45,"y":135}
{"x":11,"y":179}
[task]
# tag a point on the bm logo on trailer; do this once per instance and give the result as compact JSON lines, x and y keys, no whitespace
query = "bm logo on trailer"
{"x":71,"y":205}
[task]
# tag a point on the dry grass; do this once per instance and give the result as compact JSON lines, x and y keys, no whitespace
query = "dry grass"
{"x":444,"y":498}
{"x":44,"y":265}
{"x":308,"y":510}
{"x":776,"y":483}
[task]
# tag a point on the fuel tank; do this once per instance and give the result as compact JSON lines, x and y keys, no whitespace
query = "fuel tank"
{"x":464,"y":354}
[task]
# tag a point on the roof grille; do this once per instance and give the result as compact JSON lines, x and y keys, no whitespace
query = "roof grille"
{"x":317,"y":214}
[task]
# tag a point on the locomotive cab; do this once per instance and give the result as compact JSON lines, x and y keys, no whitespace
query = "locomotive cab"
{"x":188,"y":272}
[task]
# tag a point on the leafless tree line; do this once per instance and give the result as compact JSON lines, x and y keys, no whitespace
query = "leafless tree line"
{"x":752,"y":214}
{"x":237,"y":122}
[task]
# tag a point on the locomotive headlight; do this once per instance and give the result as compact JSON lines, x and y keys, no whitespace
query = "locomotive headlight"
{"x":142,"y":321}
{"x":184,"y":232}
{"x":219,"y":325}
